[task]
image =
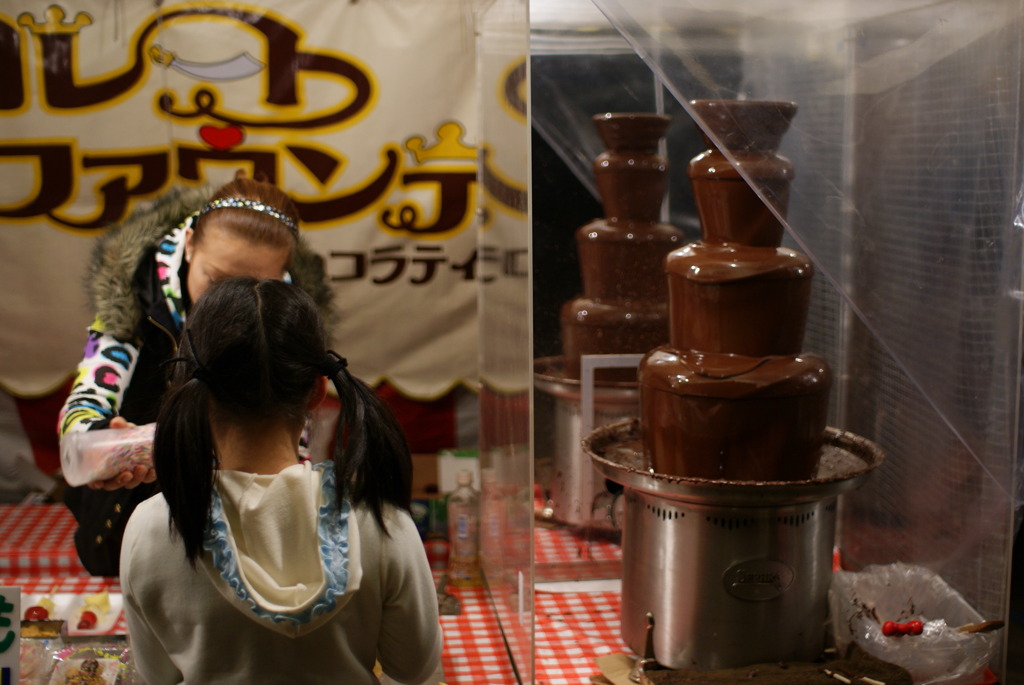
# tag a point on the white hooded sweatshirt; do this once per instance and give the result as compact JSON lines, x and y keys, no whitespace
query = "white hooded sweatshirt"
{"x":294,"y":587}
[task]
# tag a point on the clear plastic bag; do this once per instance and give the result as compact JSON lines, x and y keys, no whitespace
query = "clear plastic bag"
{"x":94,"y":662}
{"x":35,"y":659}
{"x":942,"y":654}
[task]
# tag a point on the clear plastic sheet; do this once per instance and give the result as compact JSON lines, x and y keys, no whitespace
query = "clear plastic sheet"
{"x":506,"y":497}
{"x":906,"y":148}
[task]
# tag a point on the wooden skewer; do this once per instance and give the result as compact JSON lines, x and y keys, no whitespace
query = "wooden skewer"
{"x":983,"y":627}
{"x":838,"y":676}
{"x":848,"y":679}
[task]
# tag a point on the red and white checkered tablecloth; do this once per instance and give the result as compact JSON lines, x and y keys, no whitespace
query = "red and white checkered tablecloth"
{"x":74,"y":585}
{"x":38,"y":540}
{"x":572,"y":629}
{"x":568,"y":554}
{"x":563,"y":545}
{"x":37,"y":554}
{"x":474,"y":651}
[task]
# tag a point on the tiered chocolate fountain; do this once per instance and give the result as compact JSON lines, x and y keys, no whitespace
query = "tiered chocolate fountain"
{"x":731,"y":397}
{"x":731,"y":476}
{"x":623,"y":308}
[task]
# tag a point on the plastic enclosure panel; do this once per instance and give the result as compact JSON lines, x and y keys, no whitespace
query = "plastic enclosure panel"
{"x":503,"y":259}
{"x":906,"y":147}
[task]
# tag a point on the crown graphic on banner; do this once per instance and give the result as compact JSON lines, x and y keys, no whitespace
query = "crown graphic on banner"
{"x":54,"y":23}
{"x":449,"y":145}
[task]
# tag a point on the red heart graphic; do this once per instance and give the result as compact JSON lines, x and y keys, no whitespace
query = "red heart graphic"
{"x":221,"y":138}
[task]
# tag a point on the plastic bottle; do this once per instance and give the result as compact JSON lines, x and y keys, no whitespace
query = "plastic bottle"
{"x":87,"y":456}
{"x":464,"y":533}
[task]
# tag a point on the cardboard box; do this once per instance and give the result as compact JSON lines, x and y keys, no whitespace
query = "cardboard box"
{"x":427,"y":500}
{"x":425,"y":481}
{"x":450,"y":462}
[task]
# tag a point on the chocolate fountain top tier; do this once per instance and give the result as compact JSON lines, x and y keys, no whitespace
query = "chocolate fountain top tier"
{"x":745,"y":126}
{"x":630,"y":174}
{"x":730,"y":210}
{"x":636,"y":131}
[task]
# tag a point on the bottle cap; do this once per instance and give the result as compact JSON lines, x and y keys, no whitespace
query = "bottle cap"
{"x":464,"y":477}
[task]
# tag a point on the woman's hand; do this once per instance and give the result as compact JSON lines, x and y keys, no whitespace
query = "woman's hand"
{"x":126,"y":479}
{"x":120,"y":422}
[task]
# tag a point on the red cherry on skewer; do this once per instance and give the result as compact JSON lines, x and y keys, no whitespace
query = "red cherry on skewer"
{"x":890,"y":628}
{"x":36,"y":614}
{"x":87,"y":621}
{"x":914,"y":627}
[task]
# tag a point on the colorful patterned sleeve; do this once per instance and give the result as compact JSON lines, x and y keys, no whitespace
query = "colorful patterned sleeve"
{"x":103,"y":375}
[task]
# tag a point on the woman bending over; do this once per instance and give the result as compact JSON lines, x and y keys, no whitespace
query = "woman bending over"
{"x":144,"y":277}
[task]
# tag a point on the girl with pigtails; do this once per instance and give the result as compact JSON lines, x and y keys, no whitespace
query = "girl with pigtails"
{"x":252,"y":566}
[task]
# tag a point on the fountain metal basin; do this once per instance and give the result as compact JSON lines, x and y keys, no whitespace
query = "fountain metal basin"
{"x":735,"y":572}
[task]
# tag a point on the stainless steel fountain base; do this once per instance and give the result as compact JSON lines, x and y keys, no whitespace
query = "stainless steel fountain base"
{"x":729,"y":586}
{"x":735,"y":573}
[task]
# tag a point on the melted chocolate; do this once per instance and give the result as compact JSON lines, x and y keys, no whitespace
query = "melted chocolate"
{"x":745,"y":125}
{"x":622,"y":260}
{"x":731,"y":397}
{"x":733,"y":417}
{"x":623,"y":308}
{"x":733,"y":298}
{"x":733,"y":376}
{"x":729,"y":209}
{"x":593,"y":327}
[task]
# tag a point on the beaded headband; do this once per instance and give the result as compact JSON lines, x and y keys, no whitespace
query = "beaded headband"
{"x":255,"y":205}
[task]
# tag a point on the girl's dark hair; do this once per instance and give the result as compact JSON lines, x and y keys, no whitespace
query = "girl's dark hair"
{"x":257,"y":228}
{"x":254,"y":350}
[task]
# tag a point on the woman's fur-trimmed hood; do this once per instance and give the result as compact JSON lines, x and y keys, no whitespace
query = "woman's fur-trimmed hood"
{"x":116,"y":256}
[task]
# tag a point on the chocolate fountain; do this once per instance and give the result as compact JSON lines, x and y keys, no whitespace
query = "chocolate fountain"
{"x":731,"y":475}
{"x":623,"y":308}
{"x":731,"y":396}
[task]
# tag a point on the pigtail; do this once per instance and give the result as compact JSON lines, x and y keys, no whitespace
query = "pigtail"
{"x":183,"y":453}
{"x":250,"y":357}
{"x":371,"y":457}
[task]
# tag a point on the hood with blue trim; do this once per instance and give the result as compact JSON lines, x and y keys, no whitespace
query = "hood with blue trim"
{"x":283,"y":550}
